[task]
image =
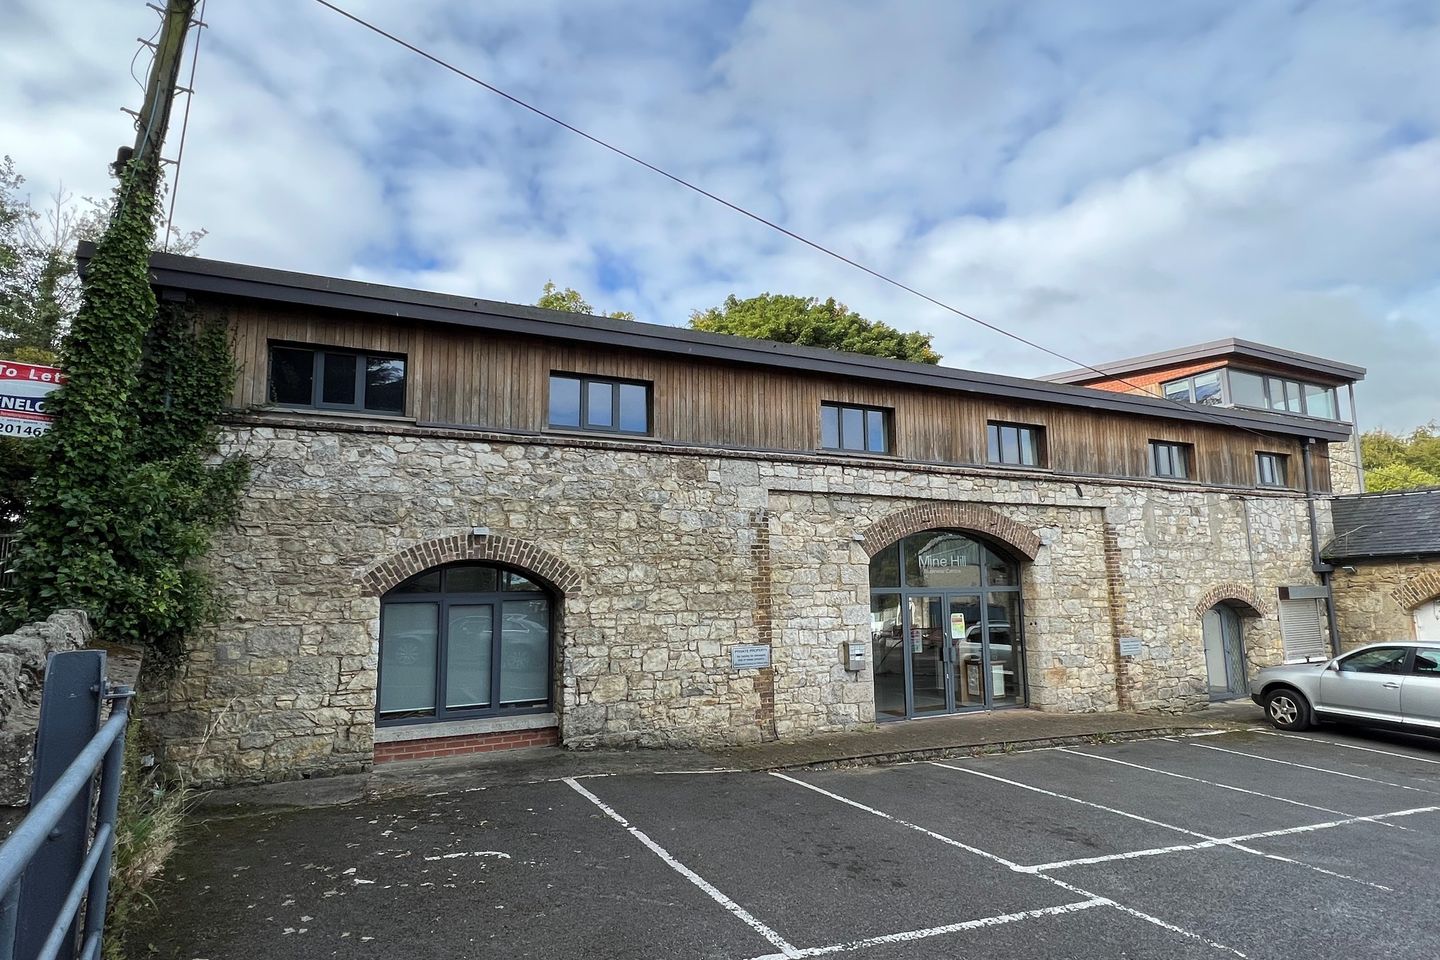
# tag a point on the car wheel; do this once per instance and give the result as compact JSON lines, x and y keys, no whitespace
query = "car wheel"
{"x":1286,"y":709}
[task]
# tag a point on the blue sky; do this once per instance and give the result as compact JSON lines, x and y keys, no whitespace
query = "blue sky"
{"x":1106,"y":178}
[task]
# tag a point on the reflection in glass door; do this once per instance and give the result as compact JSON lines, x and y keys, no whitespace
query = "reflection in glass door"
{"x":887,"y":655}
{"x":1005,"y":657}
{"x":929,"y":659}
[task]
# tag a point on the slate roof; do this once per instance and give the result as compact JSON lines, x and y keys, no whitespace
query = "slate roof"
{"x":1385,"y":525}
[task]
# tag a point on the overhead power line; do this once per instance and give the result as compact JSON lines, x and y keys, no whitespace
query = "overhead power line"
{"x":829,"y":252}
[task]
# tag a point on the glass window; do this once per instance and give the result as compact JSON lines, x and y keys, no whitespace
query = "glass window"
{"x":1178,"y":390}
{"x":564,"y":401}
{"x":292,"y":376}
{"x":1427,"y":662}
{"x":887,"y":653}
{"x":595,"y":403}
{"x":339,"y":388}
{"x":1169,"y":459}
{"x":1247,"y":389}
{"x":1378,"y":660}
{"x":346,"y":380}
{"x":480,"y":646}
{"x":1275,"y":390}
{"x":885,"y":567}
{"x":940,"y":559}
{"x":1207,"y":388}
{"x":599,"y":404}
{"x":1272,"y":469}
{"x":1013,"y":444}
{"x":385,"y":384}
{"x":845,"y":427}
{"x":1319,"y":401}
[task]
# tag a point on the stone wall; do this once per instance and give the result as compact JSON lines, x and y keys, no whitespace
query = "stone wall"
{"x":22,"y":676}
{"x":1344,"y":468}
{"x":669,"y":556}
{"x":1375,"y":603}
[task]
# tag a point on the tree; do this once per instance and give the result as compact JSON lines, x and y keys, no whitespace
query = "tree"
{"x":1401,"y":463}
{"x":809,"y":321}
{"x":569,"y":300}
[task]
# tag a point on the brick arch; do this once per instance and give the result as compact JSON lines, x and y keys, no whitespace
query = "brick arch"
{"x":1417,"y":590}
{"x":943,"y":515}
{"x":389,"y":573}
{"x":1235,"y":594}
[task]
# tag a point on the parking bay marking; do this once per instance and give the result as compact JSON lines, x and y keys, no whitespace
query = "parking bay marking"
{"x":1212,"y":783}
{"x":785,"y":947}
{"x":1012,"y":865}
{"x":1306,"y":766}
{"x":1347,"y":746}
{"x":1217,"y":841}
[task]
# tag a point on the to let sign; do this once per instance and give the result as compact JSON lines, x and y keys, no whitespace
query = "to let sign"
{"x":24,"y":388}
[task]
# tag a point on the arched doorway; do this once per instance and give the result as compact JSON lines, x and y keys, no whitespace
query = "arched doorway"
{"x":465,"y":640}
{"x":945,"y":627}
{"x":1224,"y":653}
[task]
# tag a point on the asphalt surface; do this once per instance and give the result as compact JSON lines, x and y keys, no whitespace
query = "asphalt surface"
{"x":1251,"y":844}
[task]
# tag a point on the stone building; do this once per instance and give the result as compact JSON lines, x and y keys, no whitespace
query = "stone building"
{"x":474,"y":525}
{"x":1386,"y":549}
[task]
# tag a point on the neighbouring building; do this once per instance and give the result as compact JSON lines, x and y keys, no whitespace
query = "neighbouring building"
{"x":474,"y":525}
{"x":1386,"y":549}
{"x":1241,"y":374}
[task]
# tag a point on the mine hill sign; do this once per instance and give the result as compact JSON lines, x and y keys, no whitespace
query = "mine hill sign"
{"x":24,"y":388}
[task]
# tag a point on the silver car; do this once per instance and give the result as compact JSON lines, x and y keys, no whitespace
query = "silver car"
{"x":1384,"y":683}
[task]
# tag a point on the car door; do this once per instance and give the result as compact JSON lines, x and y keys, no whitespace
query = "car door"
{"x":1365,"y":684}
{"x":1420,"y":696}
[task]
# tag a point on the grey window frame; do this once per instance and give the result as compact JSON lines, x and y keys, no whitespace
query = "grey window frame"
{"x":443,"y":601}
{"x":1186,"y":453}
{"x":995,"y":453}
{"x":887,"y":416}
{"x":1281,"y":464}
{"x":1222,"y":376}
{"x":615,"y":383}
{"x":317,"y":377}
{"x":1227,"y":395}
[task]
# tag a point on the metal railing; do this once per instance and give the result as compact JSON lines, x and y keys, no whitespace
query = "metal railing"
{"x":7,"y":549}
{"x":55,"y":867}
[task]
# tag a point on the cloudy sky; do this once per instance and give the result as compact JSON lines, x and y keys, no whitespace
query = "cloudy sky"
{"x":1106,"y":178}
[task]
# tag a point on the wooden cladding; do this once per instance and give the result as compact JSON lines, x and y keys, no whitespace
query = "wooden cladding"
{"x":475,"y":378}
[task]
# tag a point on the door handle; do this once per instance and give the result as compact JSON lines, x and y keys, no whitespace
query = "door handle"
{"x":1392,"y":685}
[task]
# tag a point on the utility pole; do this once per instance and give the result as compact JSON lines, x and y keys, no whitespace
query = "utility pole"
{"x":154,"y":117}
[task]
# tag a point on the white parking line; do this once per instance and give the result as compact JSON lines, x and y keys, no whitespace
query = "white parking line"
{"x":785,"y":947}
{"x":1306,"y":766}
{"x":1211,"y":783}
{"x":964,"y":925}
{"x":1215,"y":841}
{"x":1347,"y":746}
{"x":1378,"y":818}
{"x":1012,"y":865}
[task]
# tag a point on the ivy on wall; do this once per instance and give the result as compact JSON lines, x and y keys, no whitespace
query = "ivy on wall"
{"x":129,"y":486}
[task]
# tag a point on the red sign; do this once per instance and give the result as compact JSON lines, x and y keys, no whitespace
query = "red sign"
{"x":23,"y":390}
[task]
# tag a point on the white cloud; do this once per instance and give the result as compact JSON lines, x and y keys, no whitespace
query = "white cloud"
{"x":1107,"y":180}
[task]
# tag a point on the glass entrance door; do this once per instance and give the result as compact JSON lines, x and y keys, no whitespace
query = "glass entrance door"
{"x":930,"y":659}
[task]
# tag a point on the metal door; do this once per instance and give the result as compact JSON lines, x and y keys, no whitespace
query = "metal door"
{"x":1224,"y":653}
{"x":1420,"y":694}
{"x":1367,"y":684}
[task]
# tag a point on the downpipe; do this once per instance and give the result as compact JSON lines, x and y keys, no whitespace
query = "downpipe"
{"x":1321,"y":569}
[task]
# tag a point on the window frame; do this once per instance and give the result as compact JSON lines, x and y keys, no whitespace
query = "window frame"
{"x":887,"y":416}
{"x":1187,"y":459}
{"x":995,"y":454}
{"x":318,"y":353}
{"x":583,"y":411}
{"x":443,"y":600}
{"x":1227,"y":393}
{"x":1424,"y":647}
{"x":1407,"y":657}
{"x":1282,"y":469}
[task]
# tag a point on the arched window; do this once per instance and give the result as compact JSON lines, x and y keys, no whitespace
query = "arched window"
{"x":464,"y":640}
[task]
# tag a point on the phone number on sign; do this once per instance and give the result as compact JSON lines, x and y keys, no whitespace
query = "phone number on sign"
{"x":11,"y":429}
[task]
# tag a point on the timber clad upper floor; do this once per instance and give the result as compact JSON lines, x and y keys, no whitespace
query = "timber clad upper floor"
{"x":338,"y":346}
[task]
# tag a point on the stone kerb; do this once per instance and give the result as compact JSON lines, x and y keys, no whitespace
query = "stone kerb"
{"x":943,"y":515}
{"x":1233,"y":593}
{"x":1417,"y":590}
{"x":391,"y":572}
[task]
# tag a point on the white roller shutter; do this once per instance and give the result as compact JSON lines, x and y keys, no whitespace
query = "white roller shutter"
{"x":1301,"y":631}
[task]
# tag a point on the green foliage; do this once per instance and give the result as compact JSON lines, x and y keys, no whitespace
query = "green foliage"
{"x":570,"y":301}
{"x":125,"y":495}
{"x":809,"y":321}
{"x":1401,"y":463}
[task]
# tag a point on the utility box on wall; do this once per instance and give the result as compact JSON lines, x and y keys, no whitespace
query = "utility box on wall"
{"x":854,"y":654}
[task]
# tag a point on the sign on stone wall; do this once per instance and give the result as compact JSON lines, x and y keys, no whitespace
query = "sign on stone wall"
{"x":23,"y":390}
{"x":749,"y":656}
